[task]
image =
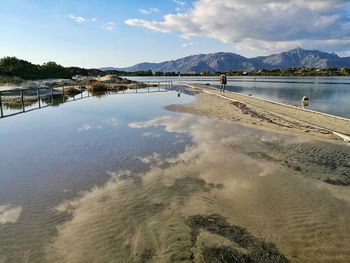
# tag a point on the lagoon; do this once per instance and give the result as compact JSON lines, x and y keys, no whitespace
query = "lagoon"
{"x":327,"y":94}
{"x":117,"y":178}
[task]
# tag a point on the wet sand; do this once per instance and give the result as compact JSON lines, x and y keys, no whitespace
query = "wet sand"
{"x":239,"y":107}
{"x":211,"y":203}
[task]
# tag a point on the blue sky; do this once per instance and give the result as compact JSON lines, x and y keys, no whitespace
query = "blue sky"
{"x":125,"y":32}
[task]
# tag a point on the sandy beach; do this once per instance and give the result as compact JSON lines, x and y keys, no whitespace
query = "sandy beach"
{"x":250,"y":110}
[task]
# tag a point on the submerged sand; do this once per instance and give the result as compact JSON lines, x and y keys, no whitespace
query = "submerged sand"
{"x":212,"y":203}
{"x":237,"y":193}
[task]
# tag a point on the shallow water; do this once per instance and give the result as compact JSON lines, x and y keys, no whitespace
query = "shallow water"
{"x":120,"y":179}
{"x":327,"y":94}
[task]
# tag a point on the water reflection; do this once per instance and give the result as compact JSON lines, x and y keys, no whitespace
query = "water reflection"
{"x":118,"y":177}
{"x":12,"y":105}
{"x":327,"y":94}
{"x":52,"y":154}
{"x":222,"y":181}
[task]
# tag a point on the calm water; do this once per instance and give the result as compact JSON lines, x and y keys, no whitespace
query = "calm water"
{"x":117,"y":178}
{"x":51,"y":154}
{"x":329,"y":94}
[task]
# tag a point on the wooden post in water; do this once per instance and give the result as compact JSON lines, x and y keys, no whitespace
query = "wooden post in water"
{"x":38,"y":96}
{"x":158,"y":86}
{"x":63,"y":94}
{"x":81,"y":91}
{"x":1,"y":110}
{"x":52,"y":96}
{"x":22,"y":101}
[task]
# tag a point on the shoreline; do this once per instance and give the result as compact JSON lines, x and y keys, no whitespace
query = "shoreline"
{"x":210,"y":102}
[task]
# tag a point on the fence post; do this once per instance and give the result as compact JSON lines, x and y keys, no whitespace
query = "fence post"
{"x":22,"y":101}
{"x":63,"y":93}
{"x":1,"y":110}
{"x":38,"y":96}
{"x":52,"y":96}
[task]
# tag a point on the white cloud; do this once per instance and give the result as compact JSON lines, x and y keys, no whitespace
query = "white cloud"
{"x":180,"y":3}
{"x":109,"y":26}
{"x":190,"y":44}
{"x":153,"y":158}
{"x":182,"y":6}
{"x":256,"y":27}
{"x":151,"y":135}
{"x":149,"y":11}
{"x":85,"y":127}
{"x":81,"y":20}
{"x":78,"y":19}
{"x":112,"y":121}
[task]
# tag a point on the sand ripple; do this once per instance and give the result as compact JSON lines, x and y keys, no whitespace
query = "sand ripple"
{"x":144,"y":217}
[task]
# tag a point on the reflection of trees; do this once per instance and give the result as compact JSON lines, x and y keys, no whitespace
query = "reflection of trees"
{"x":16,"y":104}
{"x":55,"y":100}
{"x":99,"y":93}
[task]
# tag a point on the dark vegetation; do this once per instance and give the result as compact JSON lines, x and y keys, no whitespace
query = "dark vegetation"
{"x":14,"y":70}
{"x":250,"y":249}
{"x":264,"y":72}
{"x":11,"y":67}
{"x":294,"y":72}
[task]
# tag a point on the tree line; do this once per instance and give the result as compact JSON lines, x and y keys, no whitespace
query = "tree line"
{"x":13,"y":69}
{"x":311,"y":72}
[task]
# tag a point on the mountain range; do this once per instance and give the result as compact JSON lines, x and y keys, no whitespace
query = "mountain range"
{"x":227,"y":61}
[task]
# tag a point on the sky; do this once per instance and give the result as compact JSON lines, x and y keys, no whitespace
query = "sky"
{"x":119,"y":33}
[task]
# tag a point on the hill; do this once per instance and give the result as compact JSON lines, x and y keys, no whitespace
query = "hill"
{"x":226,"y":61}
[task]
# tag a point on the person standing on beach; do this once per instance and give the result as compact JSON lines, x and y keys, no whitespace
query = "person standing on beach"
{"x":223,"y":82}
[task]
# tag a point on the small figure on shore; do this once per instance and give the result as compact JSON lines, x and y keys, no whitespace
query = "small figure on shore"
{"x":305,"y":101}
{"x":223,"y":82}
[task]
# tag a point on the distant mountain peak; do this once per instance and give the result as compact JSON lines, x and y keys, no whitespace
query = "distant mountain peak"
{"x":228,"y":61}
